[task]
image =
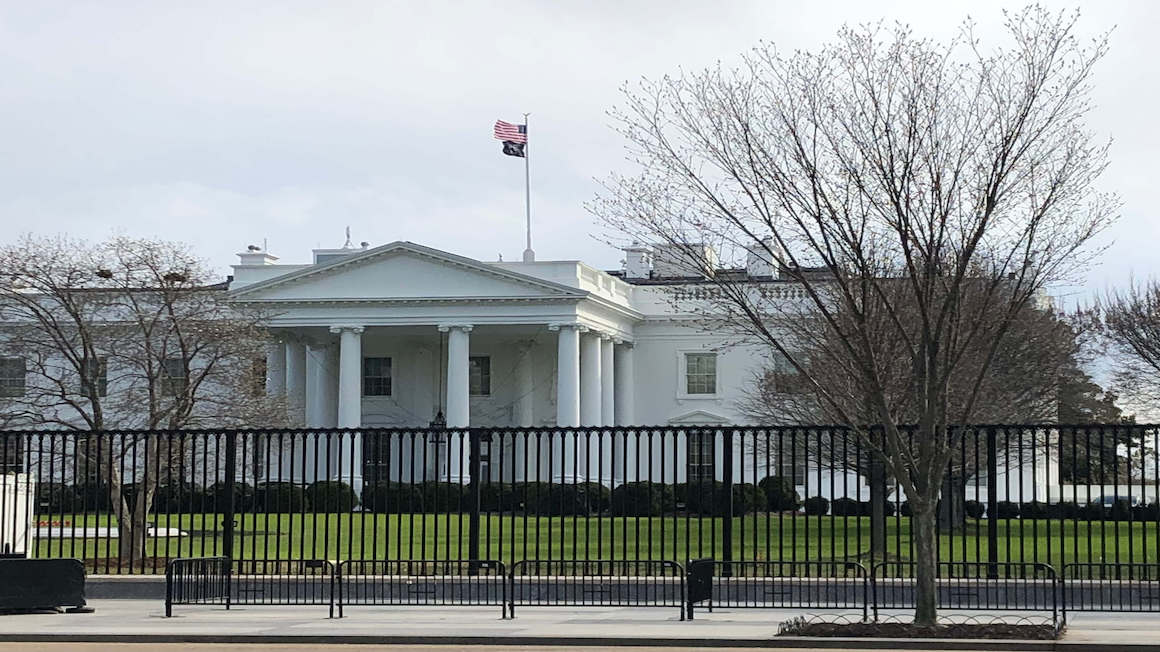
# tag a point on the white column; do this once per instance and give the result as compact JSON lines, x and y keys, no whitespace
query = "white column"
{"x":607,"y":383}
{"x":590,"y":379}
{"x":625,"y":395}
{"x":625,"y":405}
{"x":567,"y":375}
{"x":458,"y":375}
{"x":349,"y":448}
{"x":349,"y":375}
{"x":329,"y":383}
{"x":524,"y":411}
{"x":315,"y":394}
{"x":275,"y":368}
{"x":295,"y":381}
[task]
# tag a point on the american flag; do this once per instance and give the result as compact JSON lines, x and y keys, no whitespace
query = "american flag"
{"x":511,"y":133}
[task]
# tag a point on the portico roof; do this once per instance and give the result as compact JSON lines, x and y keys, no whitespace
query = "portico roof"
{"x":406,"y":272}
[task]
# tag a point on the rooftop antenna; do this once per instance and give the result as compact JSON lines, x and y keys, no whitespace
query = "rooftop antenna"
{"x":346,"y":245}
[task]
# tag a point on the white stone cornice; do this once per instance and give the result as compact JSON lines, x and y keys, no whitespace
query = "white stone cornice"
{"x":339,"y":329}
{"x":466,"y":328}
{"x":555,"y":326}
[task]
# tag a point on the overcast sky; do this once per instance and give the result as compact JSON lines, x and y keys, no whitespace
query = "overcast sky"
{"x":224,"y":124}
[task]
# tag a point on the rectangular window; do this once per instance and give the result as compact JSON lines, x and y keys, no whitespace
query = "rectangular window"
{"x":96,"y":374}
{"x":480,"y":373}
{"x":376,"y":376}
{"x":699,"y":459}
{"x":174,"y":379}
{"x":700,"y":373}
{"x":12,"y":373}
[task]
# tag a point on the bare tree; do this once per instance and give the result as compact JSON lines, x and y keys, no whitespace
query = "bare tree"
{"x":918,"y":195}
{"x":1130,"y":325}
{"x":127,"y":334}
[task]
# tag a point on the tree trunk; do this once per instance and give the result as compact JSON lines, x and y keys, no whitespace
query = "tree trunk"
{"x":926,"y":563}
{"x":877,"y":510}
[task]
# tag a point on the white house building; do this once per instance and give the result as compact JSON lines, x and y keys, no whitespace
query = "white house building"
{"x":392,"y":335}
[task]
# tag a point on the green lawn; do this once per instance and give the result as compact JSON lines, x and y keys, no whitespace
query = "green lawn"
{"x":509,"y":538}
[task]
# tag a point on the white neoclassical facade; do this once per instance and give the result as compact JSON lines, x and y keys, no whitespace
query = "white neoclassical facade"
{"x":393,"y":335}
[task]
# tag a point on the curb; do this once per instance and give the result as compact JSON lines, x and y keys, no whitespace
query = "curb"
{"x":484,"y":641}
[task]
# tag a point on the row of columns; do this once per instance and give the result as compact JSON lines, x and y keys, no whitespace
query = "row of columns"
{"x":594,"y":385}
{"x":594,"y":378}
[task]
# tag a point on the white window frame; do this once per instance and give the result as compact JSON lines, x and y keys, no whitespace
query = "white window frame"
{"x":683,"y":374}
{"x":490,"y":376}
{"x":390,"y":377}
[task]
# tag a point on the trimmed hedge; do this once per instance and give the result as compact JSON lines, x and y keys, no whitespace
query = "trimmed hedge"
{"x":1007,"y":509}
{"x":391,"y":497}
{"x":331,"y":496}
{"x":642,"y":499}
{"x":780,"y":495}
{"x":244,"y":494}
{"x":709,"y":499}
{"x":975,"y":509}
{"x":56,"y":497}
{"x":181,"y":498}
{"x":846,"y":506}
{"x":280,"y":498}
{"x":817,"y":506}
{"x":1033,"y":509}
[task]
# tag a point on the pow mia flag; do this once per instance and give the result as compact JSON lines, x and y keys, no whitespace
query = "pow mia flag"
{"x":514,"y":137}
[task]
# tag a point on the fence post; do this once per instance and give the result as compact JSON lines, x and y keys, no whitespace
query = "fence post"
{"x":474,"y":464}
{"x":230,"y":508}
{"x":727,"y":526}
{"x":992,"y":505}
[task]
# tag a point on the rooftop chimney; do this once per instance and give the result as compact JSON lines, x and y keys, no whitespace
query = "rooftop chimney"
{"x":637,"y":261}
{"x":759,"y":264}
{"x":254,"y":255}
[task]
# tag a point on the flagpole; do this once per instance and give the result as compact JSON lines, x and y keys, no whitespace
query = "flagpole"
{"x":529,"y":255}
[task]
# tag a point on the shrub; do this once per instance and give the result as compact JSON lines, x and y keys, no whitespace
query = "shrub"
{"x":905,"y":509}
{"x":748,"y":498}
{"x":496,"y":497}
{"x":218,"y":493}
{"x":1146,"y":512}
{"x":889,"y":508}
{"x":56,"y":497}
{"x":181,"y":498}
{"x":279,"y":498}
{"x":1094,"y":512}
{"x":442,"y":497}
{"x":1007,"y":509}
{"x":391,"y":497}
{"x":780,"y":495}
{"x":1063,"y":510}
{"x":331,"y":496}
{"x":817,"y":506}
{"x":709,"y":498}
{"x":975,"y":509}
{"x":642,"y":499}
{"x":575,"y":499}
{"x":528,"y":496}
{"x":1034,"y":509}
{"x":847,"y":507}
{"x":1121,"y":510}
{"x":93,"y":497}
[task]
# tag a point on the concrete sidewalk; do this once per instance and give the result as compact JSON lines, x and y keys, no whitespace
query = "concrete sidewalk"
{"x":143,"y":621}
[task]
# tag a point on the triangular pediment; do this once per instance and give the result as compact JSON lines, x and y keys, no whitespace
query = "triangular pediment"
{"x":403,"y":271}
{"x":698,"y":418}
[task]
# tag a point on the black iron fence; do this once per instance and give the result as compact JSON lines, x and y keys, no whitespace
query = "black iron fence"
{"x":778,"y":499}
